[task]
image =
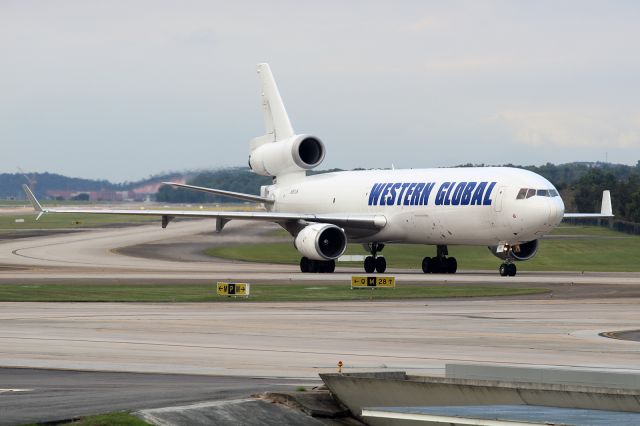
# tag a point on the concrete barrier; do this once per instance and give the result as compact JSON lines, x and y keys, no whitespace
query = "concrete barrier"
{"x":583,"y":377}
{"x":397,"y":389}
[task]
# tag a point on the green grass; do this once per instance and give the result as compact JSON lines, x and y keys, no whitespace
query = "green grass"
{"x":109,"y":419}
{"x":259,"y":292}
{"x":597,"y":253}
{"x":62,"y":221}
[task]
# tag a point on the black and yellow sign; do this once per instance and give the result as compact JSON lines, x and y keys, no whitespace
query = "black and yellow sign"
{"x":373,"y":282}
{"x":233,"y":289}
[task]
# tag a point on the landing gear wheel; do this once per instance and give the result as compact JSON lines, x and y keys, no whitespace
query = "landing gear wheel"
{"x":503,"y":270}
{"x":427,"y":265}
{"x":304,"y":264}
{"x":381,"y":264}
{"x":330,"y":266}
{"x":452,"y":265}
{"x":369,"y":264}
{"x":314,"y":266}
{"x":511,"y":270}
{"x":435,"y":265}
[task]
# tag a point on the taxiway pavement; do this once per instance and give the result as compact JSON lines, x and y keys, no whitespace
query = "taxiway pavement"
{"x":30,"y":396}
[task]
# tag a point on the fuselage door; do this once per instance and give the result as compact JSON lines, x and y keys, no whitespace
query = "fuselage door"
{"x":497,"y":204}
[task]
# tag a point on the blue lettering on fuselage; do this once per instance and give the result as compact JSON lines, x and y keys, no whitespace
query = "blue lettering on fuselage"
{"x":418,"y":193}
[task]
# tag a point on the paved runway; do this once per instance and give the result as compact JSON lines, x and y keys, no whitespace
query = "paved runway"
{"x":302,"y":339}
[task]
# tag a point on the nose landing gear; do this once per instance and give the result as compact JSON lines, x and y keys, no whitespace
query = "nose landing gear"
{"x":373,"y":262}
{"x":441,"y":264}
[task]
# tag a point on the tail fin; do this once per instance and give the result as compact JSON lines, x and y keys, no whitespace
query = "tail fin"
{"x":276,"y":119}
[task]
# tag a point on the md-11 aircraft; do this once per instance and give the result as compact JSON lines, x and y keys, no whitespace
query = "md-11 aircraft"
{"x":506,"y":209}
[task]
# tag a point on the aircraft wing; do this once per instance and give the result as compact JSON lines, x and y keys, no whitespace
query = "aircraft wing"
{"x":238,"y":195}
{"x":605,"y":209}
{"x":370,"y":222}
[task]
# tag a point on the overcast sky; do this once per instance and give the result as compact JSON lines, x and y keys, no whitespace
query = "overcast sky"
{"x":124,"y":89}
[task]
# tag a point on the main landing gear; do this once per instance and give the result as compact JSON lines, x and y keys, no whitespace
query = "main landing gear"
{"x":441,"y":264}
{"x":508,"y":270}
{"x":373,"y":262}
{"x":310,"y":265}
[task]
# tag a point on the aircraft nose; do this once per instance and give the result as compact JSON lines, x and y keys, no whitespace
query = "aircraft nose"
{"x":559,"y":210}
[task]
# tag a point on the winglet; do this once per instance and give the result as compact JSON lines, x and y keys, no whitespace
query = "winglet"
{"x":36,"y":205}
{"x":606,"y":209}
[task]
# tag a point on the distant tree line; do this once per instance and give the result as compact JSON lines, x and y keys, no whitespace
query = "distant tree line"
{"x":581,"y":185}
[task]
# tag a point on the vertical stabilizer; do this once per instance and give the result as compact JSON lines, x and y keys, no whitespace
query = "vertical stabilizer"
{"x":275,"y":116}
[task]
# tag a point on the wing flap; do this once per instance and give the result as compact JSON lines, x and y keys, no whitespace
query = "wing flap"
{"x":238,"y":195}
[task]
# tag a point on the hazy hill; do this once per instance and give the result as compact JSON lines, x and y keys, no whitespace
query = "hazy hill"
{"x":11,"y":183}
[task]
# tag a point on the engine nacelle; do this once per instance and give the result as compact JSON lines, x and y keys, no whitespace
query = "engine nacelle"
{"x":321,"y":241}
{"x":297,"y":153}
{"x":524,"y":251}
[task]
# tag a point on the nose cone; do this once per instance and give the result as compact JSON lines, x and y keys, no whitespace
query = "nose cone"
{"x":545,"y":214}
{"x":559,"y":210}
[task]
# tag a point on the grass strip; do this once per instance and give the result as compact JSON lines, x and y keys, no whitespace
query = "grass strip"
{"x":601,"y":250}
{"x":259,"y":292}
{"x":109,"y":419}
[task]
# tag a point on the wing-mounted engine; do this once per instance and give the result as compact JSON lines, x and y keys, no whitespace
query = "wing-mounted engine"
{"x":524,"y":251}
{"x":321,"y":241}
{"x":295,"y":154}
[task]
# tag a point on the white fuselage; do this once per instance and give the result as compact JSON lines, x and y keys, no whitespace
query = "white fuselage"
{"x":468,"y":205}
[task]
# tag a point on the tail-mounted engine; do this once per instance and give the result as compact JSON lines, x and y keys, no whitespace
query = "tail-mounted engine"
{"x":321,"y":241}
{"x":294,"y":154}
{"x":524,"y":251}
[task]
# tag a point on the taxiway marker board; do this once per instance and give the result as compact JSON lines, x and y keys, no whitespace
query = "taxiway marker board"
{"x":233,"y":289}
{"x":373,"y":282}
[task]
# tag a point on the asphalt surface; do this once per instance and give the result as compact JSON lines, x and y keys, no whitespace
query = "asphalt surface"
{"x":30,"y":395}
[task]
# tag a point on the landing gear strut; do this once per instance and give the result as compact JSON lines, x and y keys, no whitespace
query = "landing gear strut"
{"x":310,"y":265}
{"x":508,"y":269}
{"x":373,"y":262}
{"x":441,"y":264}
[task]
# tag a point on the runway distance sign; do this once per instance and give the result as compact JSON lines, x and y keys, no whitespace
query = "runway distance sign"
{"x":373,"y":282}
{"x":233,"y":289}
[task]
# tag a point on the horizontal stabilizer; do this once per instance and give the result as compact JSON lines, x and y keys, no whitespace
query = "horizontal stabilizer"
{"x":238,"y":195}
{"x":605,"y":209}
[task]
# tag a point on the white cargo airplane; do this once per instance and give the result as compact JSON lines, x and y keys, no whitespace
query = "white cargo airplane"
{"x":504,"y":208}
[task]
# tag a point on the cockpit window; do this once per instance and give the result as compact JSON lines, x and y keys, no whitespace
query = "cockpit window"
{"x":530,"y":192}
